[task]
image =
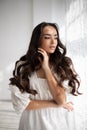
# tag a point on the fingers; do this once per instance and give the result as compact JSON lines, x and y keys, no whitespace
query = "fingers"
{"x":45,"y":60}
{"x":44,"y":54}
{"x":69,"y":103}
{"x":42,"y":51}
{"x":68,"y":106}
{"x":41,"y":54}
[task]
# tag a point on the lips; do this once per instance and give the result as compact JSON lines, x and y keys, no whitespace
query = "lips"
{"x":52,"y":47}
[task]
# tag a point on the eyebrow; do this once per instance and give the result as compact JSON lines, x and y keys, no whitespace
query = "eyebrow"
{"x":50,"y":34}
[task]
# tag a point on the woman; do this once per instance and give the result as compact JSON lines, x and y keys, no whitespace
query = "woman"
{"x":37,"y":86}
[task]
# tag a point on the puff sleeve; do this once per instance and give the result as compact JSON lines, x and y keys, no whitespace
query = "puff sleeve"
{"x":19,"y":100}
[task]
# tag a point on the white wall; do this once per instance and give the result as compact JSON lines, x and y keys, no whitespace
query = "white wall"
{"x":15,"y":28}
{"x":17,"y":19}
{"x":42,"y":11}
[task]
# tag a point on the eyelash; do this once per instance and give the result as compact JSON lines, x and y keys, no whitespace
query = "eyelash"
{"x":49,"y":38}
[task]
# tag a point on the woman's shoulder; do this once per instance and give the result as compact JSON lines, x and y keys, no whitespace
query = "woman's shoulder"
{"x":14,"y":88}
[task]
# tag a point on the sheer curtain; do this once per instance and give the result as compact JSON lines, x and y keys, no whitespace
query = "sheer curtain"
{"x":76,"y":42}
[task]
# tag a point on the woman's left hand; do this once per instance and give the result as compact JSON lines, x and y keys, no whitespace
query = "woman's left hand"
{"x":68,"y":106}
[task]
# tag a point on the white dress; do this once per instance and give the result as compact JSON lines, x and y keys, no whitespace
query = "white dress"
{"x":46,"y":118}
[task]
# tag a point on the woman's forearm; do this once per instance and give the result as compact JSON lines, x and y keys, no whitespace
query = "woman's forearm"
{"x":57,"y":92}
{"x":38,"y":104}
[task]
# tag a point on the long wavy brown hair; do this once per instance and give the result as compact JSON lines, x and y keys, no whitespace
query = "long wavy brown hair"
{"x":29,"y":63}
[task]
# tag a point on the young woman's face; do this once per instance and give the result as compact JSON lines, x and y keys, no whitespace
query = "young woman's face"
{"x":49,"y":39}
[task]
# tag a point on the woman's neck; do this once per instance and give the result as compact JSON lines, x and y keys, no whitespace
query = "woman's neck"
{"x":40,"y":72}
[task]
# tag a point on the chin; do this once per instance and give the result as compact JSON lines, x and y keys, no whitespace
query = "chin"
{"x":50,"y":51}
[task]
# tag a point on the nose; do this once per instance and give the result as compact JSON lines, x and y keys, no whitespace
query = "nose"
{"x":53,"y":41}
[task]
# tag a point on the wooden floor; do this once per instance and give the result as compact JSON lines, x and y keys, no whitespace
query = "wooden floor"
{"x":9,"y":120}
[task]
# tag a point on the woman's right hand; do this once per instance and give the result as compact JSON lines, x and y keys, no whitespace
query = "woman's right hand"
{"x":68,"y":106}
{"x":45,"y":61}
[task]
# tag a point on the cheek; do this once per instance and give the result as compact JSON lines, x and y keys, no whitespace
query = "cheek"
{"x":43,"y":44}
{"x":57,"y":44}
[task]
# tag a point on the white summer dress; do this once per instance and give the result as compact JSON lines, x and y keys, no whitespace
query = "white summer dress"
{"x":46,"y":118}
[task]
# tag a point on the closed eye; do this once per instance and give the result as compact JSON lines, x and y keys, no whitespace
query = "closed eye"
{"x":47,"y":37}
{"x":50,"y":37}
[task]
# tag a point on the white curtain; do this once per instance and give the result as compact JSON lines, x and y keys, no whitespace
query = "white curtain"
{"x":76,"y":42}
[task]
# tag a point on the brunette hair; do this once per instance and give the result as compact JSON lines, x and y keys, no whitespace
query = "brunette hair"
{"x":28,"y":63}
